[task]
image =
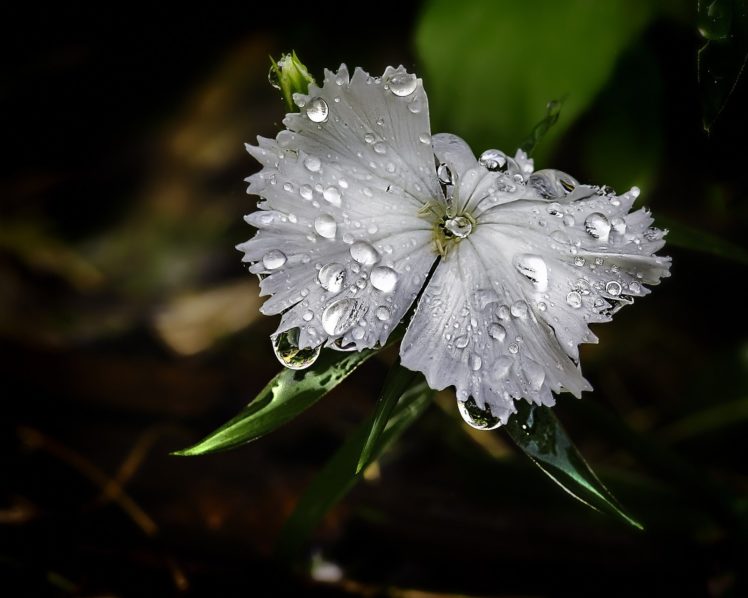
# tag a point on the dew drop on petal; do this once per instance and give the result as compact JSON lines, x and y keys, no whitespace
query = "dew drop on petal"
{"x":332,"y":277}
{"x":358,"y":333}
{"x":341,"y":315}
{"x":364,"y":253}
{"x":369,"y":138}
{"x":332,"y":195}
{"x":424,"y":138}
{"x":519,"y":309}
{"x":475,"y":362}
{"x":445,"y":174}
{"x":325,"y":226}
{"x":286,"y":349}
{"x":306,"y":192}
{"x":574,"y":299}
{"x":383,"y":279}
{"x":597,"y":226}
{"x":534,"y":374}
{"x":312,"y":163}
{"x":308,"y":316}
{"x":503,"y":312}
{"x":273,"y":259}
{"x":496,"y":331}
{"x":462,"y":341}
{"x":493,"y":160}
{"x":634,"y":287}
{"x":402,"y":84}
{"x":481,"y":419}
{"x":514,"y":348}
{"x":317,"y":110}
{"x":459,"y":227}
{"x":579,"y":261}
{"x":534,"y":268}
{"x":380,"y":148}
{"x":613,"y":288}
{"x":383,"y":314}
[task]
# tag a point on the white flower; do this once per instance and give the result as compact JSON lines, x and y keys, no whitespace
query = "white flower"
{"x":361,"y":203}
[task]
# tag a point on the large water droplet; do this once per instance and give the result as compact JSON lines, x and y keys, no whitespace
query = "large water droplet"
{"x":496,"y":331}
{"x":306,"y":192}
{"x":341,"y":315}
{"x":493,"y":159}
{"x":286,"y":348}
{"x":273,"y":259}
{"x":364,"y":253}
{"x":312,"y":163}
{"x":551,"y":183}
{"x":613,"y":288}
{"x":383,"y":279}
{"x":317,"y":110}
{"x":402,"y":84}
{"x":477,"y":417}
{"x":325,"y":226}
{"x":574,"y":299}
{"x":597,"y":226}
{"x":332,"y":277}
{"x":502,"y":312}
{"x":332,"y":195}
{"x":445,"y":174}
{"x":462,"y":341}
{"x":519,"y":309}
{"x":534,"y":268}
{"x":382,"y":313}
{"x":459,"y":226}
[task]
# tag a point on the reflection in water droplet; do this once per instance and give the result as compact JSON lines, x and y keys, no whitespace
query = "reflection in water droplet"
{"x":273,"y":259}
{"x":364,"y":253}
{"x":597,"y":226}
{"x":513,"y":348}
{"x":574,"y":299}
{"x":332,"y":277}
{"x":341,"y":315}
{"x":445,"y":174}
{"x":459,"y":226}
{"x":551,"y":183}
{"x":477,"y":417}
{"x":383,"y":279}
{"x":325,"y":226}
{"x":286,"y":349}
{"x":635,"y":287}
{"x":533,"y":267}
{"x":503,"y":312}
{"x":402,"y":84}
{"x":613,"y":288}
{"x":579,"y":261}
{"x":493,"y":159}
{"x":317,"y":110}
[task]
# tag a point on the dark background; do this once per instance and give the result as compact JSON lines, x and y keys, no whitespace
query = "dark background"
{"x":129,"y":329}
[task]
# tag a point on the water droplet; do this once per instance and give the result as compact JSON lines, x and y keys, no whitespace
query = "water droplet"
{"x":383,"y":314}
{"x":551,"y":183}
{"x":308,"y":316}
{"x":424,"y":138}
{"x":613,"y":288}
{"x":569,"y":220}
{"x":519,"y":309}
{"x":332,"y":277}
{"x":415,"y":106}
{"x":341,"y":315}
{"x":286,"y":349}
{"x":459,"y":226}
{"x":445,"y":174}
{"x":389,"y":167}
{"x":514,"y":348}
{"x":317,"y":110}
{"x":477,"y":417}
{"x":380,"y":148}
{"x":493,"y":160}
{"x":402,"y":84}
{"x":306,"y":192}
{"x":634,"y":287}
{"x":542,"y":306}
{"x":325,"y":226}
{"x":534,"y":374}
{"x":312,"y":163}
{"x":273,"y":259}
{"x":475,"y":362}
{"x":332,"y":195}
{"x":574,"y":299}
{"x":503,"y":312}
{"x":383,"y":279}
{"x":462,"y":341}
{"x":597,"y":226}
{"x":534,"y":268}
{"x":579,"y":261}
{"x":364,"y":253}
{"x":496,"y":331}
{"x":288,"y":187}
{"x":358,"y":333}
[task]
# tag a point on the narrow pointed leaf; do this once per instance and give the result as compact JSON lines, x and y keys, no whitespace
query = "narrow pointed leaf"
{"x":396,"y":383}
{"x":340,"y":473}
{"x":552,"y":112}
{"x":538,"y":432}
{"x":694,"y":239}
{"x":284,"y":397}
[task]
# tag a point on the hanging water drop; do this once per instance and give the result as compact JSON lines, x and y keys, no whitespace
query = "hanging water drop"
{"x":477,"y":417}
{"x":402,"y":84}
{"x":286,"y":349}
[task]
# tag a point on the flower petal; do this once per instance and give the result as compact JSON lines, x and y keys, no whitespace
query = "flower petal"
{"x":340,"y":245}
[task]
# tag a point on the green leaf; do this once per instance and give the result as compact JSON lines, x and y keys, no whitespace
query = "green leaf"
{"x":396,"y":383}
{"x":538,"y":432}
{"x":341,"y":472}
{"x":290,"y":76}
{"x":552,"y":112}
{"x":687,"y":237}
{"x":285,"y":397}
{"x":723,"y":57}
{"x":491,"y":66}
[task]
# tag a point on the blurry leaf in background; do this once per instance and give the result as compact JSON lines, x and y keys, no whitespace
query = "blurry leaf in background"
{"x":682,"y":235}
{"x":722,"y":59}
{"x":341,"y":472}
{"x":538,"y":432}
{"x":493,"y":66}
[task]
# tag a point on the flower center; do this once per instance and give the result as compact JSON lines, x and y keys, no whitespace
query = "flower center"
{"x":448,"y":228}
{"x":459,"y":226}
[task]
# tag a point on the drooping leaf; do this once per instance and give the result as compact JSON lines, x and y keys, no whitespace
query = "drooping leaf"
{"x":397,"y":382}
{"x":723,"y":57}
{"x":341,"y":472}
{"x":537,"y":431}
{"x":491,"y":65}
{"x":687,"y":237}
{"x":284,"y":397}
